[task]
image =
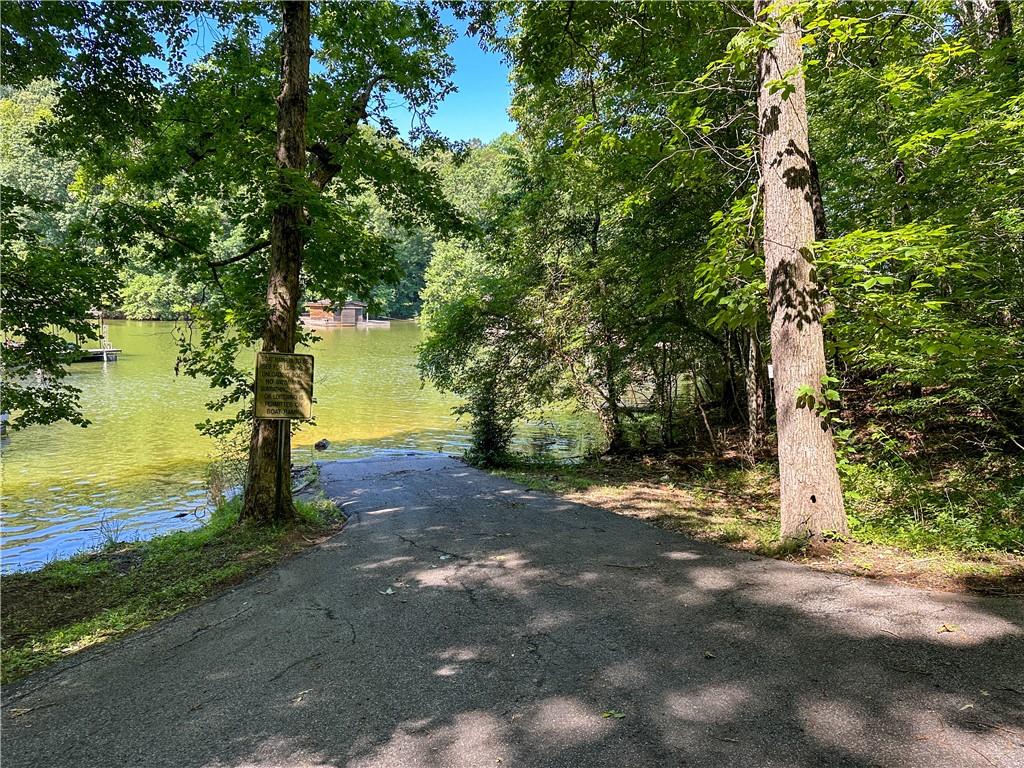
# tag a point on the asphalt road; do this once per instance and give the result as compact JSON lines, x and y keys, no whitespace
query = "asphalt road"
{"x":462,"y":621}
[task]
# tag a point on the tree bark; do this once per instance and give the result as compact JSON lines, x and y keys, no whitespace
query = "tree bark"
{"x":610,"y":415}
{"x":286,"y":243}
{"x":610,"y":411}
{"x":811,"y":497}
{"x":1004,"y":20}
{"x":990,"y":20}
{"x":757,"y":386}
{"x":666,"y":394}
{"x":994,"y":20}
{"x":732,"y":409}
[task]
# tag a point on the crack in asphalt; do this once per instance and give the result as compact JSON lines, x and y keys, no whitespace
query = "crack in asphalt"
{"x":207,"y":627}
{"x":294,"y":664}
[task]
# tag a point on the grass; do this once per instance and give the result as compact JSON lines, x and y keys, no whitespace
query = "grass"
{"x":958,"y":525}
{"x":966,"y":506}
{"x":89,"y":599}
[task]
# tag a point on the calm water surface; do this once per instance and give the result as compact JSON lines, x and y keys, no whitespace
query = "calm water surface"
{"x":140,"y":467}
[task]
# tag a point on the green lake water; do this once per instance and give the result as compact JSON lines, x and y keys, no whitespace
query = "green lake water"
{"x":140,"y":466}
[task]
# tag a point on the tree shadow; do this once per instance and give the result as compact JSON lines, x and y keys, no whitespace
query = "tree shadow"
{"x":798,"y":301}
{"x":523,"y":630}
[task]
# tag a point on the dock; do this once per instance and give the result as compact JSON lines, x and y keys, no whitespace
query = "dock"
{"x":104,"y":354}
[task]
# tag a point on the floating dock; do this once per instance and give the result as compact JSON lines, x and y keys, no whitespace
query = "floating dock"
{"x":106,"y":351}
{"x":104,"y":355}
{"x":317,"y":322}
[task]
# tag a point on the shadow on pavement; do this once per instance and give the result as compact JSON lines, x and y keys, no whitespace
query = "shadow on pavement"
{"x":463,"y":621}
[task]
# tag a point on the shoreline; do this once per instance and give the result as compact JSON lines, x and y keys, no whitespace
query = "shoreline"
{"x":86,"y":600}
{"x":122,"y":533}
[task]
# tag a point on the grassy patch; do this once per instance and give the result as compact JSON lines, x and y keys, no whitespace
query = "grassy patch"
{"x":973,"y":507}
{"x":73,"y":604}
{"x":955,"y":526}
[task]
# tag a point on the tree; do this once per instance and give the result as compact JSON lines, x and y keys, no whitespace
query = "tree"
{"x":480,"y":305}
{"x":811,"y":496}
{"x":604,"y":222}
{"x":244,"y":172}
{"x":619,"y":202}
{"x":480,"y":343}
{"x":924,"y":264}
{"x":286,"y":249}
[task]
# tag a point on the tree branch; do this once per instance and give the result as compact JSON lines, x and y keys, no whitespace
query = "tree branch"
{"x":327,"y":165}
{"x":256,"y":247}
{"x":161,"y":230}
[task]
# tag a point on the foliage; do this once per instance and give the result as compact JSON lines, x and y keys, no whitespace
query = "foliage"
{"x":598,"y":219}
{"x":56,"y":268}
{"x":925,"y":261}
{"x":628,"y":235}
{"x":731,"y":279}
{"x":606,"y":253}
{"x":971,"y":506}
{"x":477,"y":327}
{"x":177,"y":150}
{"x":154,"y":297}
{"x":629,"y":156}
{"x":413,"y":249}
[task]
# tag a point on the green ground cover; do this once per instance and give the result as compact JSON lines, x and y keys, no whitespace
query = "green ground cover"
{"x":94,"y":597}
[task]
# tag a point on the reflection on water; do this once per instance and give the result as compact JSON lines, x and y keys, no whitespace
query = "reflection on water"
{"x":139,"y":468}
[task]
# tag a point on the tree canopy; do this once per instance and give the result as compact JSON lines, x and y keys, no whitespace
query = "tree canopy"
{"x":693,"y":191}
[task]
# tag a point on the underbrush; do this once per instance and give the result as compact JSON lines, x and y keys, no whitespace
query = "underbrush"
{"x":970,"y":506}
{"x":72,"y":604}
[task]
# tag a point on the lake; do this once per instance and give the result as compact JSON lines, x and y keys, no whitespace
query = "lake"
{"x":140,"y":467}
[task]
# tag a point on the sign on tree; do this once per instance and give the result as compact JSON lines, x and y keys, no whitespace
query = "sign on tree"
{"x":284,"y":386}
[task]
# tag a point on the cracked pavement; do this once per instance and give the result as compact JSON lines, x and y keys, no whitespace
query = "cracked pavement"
{"x":461,"y":620}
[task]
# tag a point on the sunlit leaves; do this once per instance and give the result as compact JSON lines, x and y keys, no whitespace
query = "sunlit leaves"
{"x":731,"y":277}
{"x":173,"y":106}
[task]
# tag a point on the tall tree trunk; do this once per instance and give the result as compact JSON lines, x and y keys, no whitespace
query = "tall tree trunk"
{"x":757,"y":402}
{"x":666,"y":394}
{"x":611,"y":413}
{"x":811,"y":497}
{"x":732,"y":410}
{"x":990,"y":20}
{"x":286,"y":241}
{"x":1004,"y":20}
{"x":995,"y":20}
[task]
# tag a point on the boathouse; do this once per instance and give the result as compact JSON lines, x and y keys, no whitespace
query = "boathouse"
{"x":327,"y":313}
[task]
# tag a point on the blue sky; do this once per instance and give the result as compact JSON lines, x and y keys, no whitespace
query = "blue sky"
{"x":479,"y":109}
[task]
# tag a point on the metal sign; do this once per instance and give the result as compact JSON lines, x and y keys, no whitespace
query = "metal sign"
{"x":284,"y":386}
